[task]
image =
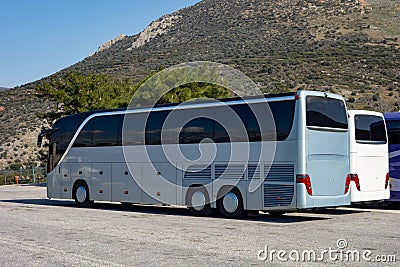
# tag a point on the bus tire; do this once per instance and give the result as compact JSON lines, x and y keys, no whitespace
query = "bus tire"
{"x":230,"y":205}
{"x":81,"y":195}
{"x":198,"y":201}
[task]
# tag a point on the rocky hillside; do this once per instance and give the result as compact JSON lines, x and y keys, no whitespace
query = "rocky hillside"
{"x":19,"y":126}
{"x":349,"y":47}
{"x":344,"y":46}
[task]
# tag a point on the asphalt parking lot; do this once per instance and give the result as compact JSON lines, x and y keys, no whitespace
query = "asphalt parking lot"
{"x":35,"y":231}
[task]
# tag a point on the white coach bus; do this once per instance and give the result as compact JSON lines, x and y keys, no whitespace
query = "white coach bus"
{"x":298,"y":157}
{"x":369,"y":160}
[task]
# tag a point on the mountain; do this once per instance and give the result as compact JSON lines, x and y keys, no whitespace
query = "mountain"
{"x":348,"y":47}
{"x":4,"y":88}
{"x":344,"y":46}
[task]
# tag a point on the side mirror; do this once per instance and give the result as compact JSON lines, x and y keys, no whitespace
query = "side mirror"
{"x":47,"y":133}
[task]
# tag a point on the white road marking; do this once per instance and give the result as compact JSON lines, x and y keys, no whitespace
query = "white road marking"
{"x":373,"y":210}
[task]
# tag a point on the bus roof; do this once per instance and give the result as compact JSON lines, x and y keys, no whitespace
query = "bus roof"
{"x":200,"y":101}
{"x":392,"y":115}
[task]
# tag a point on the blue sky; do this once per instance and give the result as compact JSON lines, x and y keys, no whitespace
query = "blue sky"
{"x":41,"y":37}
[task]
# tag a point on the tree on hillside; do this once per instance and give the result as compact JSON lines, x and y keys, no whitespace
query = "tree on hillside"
{"x":74,"y":93}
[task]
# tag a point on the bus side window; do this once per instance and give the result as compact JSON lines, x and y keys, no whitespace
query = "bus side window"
{"x":84,"y":138}
{"x":106,"y":131}
{"x":154,"y":126}
{"x":252,"y":125}
{"x":196,"y":130}
{"x":133,"y":130}
{"x":393,"y":132}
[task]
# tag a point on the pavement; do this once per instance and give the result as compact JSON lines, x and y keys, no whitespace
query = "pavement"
{"x":36,"y":231}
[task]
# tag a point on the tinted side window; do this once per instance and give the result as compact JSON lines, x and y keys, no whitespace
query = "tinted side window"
{"x":277,"y":127}
{"x":100,"y":131}
{"x":196,"y":130}
{"x":252,"y":125}
{"x":326,"y":112}
{"x":283,"y":112}
{"x":134,"y":129}
{"x":229,"y":124}
{"x":370,"y":128}
{"x":56,"y":137}
{"x":154,"y":126}
{"x":84,"y":138}
{"x":393,"y":130}
{"x":106,"y":131}
{"x":220,"y":135}
{"x":70,"y":126}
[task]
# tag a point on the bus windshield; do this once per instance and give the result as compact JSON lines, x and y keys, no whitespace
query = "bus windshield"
{"x":326,"y":112}
{"x":370,"y":128}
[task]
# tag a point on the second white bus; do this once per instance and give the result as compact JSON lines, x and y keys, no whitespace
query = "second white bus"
{"x":369,"y":162}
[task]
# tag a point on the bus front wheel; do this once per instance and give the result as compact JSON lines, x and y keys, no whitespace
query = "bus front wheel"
{"x":81,"y":195}
{"x":231,"y":205}
{"x":198,"y":201}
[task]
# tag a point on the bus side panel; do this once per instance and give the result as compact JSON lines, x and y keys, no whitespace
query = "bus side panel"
{"x":159,"y":183}
{"x":54,"y":184}
{"x":101,"y":181}
{"x":394,"y":172}
{"x":81,"y":171}
{"x":125,"y":182}
{"x":254,"y":197}
{"x":66,"y":187}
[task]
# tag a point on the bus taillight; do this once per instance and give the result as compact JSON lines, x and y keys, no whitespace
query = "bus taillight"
{"x":305,"y":179}
{"x":354,"y":178}
{"x":387,"y":181}
{"x":347,"y":185}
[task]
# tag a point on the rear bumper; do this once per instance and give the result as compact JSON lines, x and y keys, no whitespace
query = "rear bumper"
{"x":361,"y":196}
{"x":305,"y":201}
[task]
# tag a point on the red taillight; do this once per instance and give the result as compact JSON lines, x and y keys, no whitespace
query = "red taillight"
{"x":354,"y":178}
{"x":347,"y":185}
{"x":305,"y":179}
{"x":387,"y":181}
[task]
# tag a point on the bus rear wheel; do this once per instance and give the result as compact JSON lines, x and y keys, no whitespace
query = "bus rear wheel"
{"x":231,"y":205}
{"x":198,"y":201}
{"x":81,"y":195}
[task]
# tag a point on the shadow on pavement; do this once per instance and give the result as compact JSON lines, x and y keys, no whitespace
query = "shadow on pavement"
{"x":333,"y":211}
{"x":170,"y":210}
{"x":378,"y":205}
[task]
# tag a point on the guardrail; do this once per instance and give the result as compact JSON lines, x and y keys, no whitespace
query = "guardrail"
{"x":22,"y":175}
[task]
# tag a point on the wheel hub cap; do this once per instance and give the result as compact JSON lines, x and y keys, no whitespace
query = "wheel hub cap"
{"x":230,"y":202}
{"x":198,"y":201}
{"x":81,"y":194}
